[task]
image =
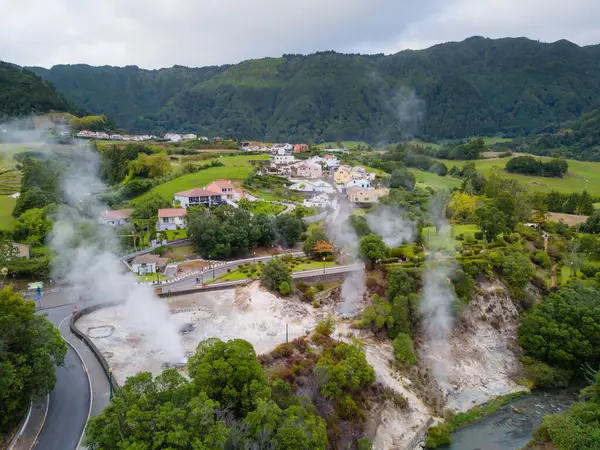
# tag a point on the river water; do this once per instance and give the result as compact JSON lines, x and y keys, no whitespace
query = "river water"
{"x":506,"y":429}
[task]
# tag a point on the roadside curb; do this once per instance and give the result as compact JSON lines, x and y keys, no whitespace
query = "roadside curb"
{"x":20,"y":442}
{"x":87,"y":374}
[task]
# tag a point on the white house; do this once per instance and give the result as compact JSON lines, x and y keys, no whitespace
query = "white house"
{"x":312,"y":186}
{"x":173,"y":137}
{"x":148,"y":264}
{"x":115,"y":217}
{"x":331,"y":161}
{"x":189,"y":136}
{"x":358,"y":182}
{"x":320,"y":201}
{"x":171,"y":219}
{"x":198,"y":196}
{"x":280,"y":160}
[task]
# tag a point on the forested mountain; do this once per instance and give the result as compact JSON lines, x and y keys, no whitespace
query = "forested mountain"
{"x":23,"y":92}
{"x":454,"y":90}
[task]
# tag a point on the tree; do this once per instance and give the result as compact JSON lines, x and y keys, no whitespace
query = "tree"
{"x":39,"y":185}
{"x":490,"y":219}
{"x":400,"y":283}
{"x":295,"y":428}
{"x":346,"y":370}
{"x":564,"y":329}
{"x":315,"y":236}
{"x":517,"y":269}
{"x":274,"y":273}
{"x":288,"y":229}
{"x":262,"y":229}
{"x":30,"y":350}
{"x":161,"y":413}
{"x":322,"y":248}
{"x":403,"y":349}
{"x":372,"y":249}
{"x":8,"y":251}
{"x":360,"y":225}
{"x":229,"y":373}
{"x":592,"y":224}
{"x":33,"y":226}
{"x":148,"y":207}
{"x":149,"y":166}
{"x":402,"y":178}
{"x":462,"y":206}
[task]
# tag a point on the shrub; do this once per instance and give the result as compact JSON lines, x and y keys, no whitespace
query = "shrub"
{"x":589,"y":270}
{"x":348,"y":410}
{"x":320,"y":286}
{"x":479,"y":235}
{"x":326,"y":326}
{"x":438,"y":435}
{"x":460,"y":237}
{"x":397,"y":252}
{"x":545,"y":376}
{"x":364,"y":444}
{"x":302,"y":286}
{"x":285,"y":288}
{"x":370,"y":282}
{"x":229,"y":270}
{"x":283,"y":351}
{"x":496,"y":258}
{"x":517,"y":269}
{"x":403,"y":349}
{"x":542,"y":259}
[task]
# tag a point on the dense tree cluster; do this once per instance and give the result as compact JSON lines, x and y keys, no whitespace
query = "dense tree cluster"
{"x":226,"y":404}
{"x":227,"y":231}
{"x":470,"y":150}
{"x":30,"y":350}
{"x":530,"y":165}
{"x":573,"y":203}
{"x":564,"y":329}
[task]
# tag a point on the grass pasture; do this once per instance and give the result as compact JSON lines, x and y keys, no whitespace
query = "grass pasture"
{"x":7,"y":204}
{"x":236,"y":168}
{"x":582,"y":175}
{"x":446,"y":238}
{"x":433,"y":180}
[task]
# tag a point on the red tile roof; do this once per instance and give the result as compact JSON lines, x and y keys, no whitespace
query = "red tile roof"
{"x":116,"y":214}
{"x":172,"y":212}
{"x":197,"y":192}
{"x":219,"y":184}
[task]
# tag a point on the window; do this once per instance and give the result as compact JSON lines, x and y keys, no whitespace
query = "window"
{"x":165,"y":220}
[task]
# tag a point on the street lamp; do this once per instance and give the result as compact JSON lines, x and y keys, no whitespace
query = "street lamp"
{"x":254,"y":254}
{"x":323,"y":265}
{"x":110,"y":376}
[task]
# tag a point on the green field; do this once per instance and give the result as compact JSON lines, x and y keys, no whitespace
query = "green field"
{"x":435,"y":181}
{"x":582,"y":175}
{"x":443,"y":240}
{"x":266,"y":207}
{"x":7,"y":204}
{"x":348,"y":145}
{"x":236,"y":168}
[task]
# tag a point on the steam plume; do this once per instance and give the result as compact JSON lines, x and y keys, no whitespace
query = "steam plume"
{"x":390,"y":225}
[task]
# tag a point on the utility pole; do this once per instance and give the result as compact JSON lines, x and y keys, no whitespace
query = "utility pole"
{"x":110,"y":383}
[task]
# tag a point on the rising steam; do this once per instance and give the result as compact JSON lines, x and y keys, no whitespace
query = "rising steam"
{"x":86,"y":252}
{"x":436,"y":306}
{"x":389,"y":224}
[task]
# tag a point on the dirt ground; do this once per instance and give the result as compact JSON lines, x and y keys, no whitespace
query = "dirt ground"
{"x":249,"y":313}
{"x":569,"y":219}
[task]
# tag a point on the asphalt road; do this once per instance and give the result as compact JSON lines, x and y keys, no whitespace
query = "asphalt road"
{"x":69,"y":401}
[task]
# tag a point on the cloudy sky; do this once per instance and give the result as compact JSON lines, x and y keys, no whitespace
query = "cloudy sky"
{"x":161,"y":33}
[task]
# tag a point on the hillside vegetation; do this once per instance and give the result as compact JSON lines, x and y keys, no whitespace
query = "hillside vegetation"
{"x":472,"y":88}
{"x":23,"y":92}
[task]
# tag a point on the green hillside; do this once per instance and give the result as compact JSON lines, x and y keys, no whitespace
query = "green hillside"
{"x":478,"y":87}
{"x":22,"y":92}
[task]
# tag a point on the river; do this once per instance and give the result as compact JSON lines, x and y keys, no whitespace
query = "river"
{"x":506,"y":429}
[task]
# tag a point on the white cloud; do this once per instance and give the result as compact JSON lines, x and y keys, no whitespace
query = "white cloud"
{"x":161,"y":33}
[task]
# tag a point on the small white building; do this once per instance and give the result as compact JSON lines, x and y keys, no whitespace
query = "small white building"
{"x":115,"y":217}
{"x":281,"y":160}
{"x":320,"y":201}
{"x":331,"y":161}
{"x":358,"y":182}
{"x":148,"y":264}
{"x":171,"y":219}
{"x":189,"y":136}
{"x":312,"y":186}
{"x":173,"y":137}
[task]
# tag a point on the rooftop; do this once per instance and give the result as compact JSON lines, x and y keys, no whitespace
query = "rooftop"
{"x":196,"y":192}
{"x":172,"y":212}
{"x":149,"y":258}
{"x":116,"y":214}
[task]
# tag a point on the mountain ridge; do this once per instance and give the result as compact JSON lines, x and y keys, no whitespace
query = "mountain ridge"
{"x":479,"y":86}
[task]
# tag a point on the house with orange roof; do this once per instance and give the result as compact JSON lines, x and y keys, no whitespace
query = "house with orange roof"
{"x":171,"y":219}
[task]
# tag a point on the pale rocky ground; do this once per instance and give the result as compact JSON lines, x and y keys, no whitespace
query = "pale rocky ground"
{"x":479,"y":367}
